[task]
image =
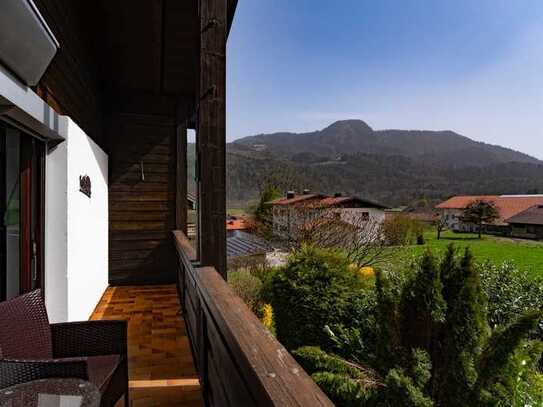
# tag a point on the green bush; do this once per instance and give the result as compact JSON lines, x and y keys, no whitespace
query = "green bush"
{"x":511,"y":292}
{"x":357,"y":340}
{"x":313,"y":290}
{"x":248,"y":288}
{"x":402,"y":230}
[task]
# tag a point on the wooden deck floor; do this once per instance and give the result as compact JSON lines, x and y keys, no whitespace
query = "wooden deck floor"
{"x":160,"y":362}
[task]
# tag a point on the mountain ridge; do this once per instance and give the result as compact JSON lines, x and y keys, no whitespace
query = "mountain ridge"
{"x":395,"y":167}
{"x":352,"y":136}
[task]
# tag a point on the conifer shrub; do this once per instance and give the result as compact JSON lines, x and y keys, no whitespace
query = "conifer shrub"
{"x":400,"y":390}
{"x":314,"y":360}
{"x":313,"y":290}
{"x":344,"y":383}
{"x":343,"y":391}
{"x":431,"y":342}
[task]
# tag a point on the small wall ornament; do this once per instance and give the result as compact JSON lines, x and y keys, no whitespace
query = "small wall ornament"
{"x":85,"y":185}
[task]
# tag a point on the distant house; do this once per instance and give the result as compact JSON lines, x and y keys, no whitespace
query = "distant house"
{"x":291,"y":212}
{"x":527,"y":224}
{"x":243,"y":248}
{"x":508,"y":206}
{"x":235,"y":224}
{"x":424,"y":215}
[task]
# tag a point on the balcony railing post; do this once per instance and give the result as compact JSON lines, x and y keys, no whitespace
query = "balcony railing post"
{"x":211,"y":136}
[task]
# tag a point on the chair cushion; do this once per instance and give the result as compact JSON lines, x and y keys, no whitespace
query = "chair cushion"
{"x":101,"y":368}
{"x":24,"y":328}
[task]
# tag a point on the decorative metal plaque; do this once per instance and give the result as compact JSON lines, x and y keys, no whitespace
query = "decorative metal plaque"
{"x":85,"y":185}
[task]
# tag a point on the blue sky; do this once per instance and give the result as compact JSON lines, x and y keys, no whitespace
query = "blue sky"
{"x":475,"y":67}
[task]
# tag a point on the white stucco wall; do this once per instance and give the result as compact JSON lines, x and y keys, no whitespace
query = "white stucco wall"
{"x":354,"y":215}
{"x":76,"y":228}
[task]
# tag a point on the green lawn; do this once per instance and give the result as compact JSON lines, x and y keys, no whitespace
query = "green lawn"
{"x":526,"y":255}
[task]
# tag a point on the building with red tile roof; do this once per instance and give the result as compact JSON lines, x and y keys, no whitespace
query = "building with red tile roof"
{"x":295,"y":210}
{"x":508,"y":206}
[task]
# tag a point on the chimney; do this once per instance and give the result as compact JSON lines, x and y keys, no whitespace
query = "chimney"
{"x":337,"y":195}
{"x":306,"y":191}
{"x":290,"y":194}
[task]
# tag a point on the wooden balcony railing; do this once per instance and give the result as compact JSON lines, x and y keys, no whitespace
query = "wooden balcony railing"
{"x":238,"y":360}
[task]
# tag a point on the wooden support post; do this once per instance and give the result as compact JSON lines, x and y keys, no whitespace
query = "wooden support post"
{"x":212,"y":134}
{"x":181,"y":169}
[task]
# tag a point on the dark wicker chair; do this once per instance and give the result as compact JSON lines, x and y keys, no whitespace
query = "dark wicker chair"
{"x":31,"y":348}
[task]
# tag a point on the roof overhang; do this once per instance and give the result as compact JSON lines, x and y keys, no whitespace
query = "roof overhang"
{"x":24,"y":109}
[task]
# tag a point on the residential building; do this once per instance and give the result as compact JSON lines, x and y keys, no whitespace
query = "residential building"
{"x":95,"y":101}
{"x":243,"y":248}
{"x":527,"y":224}
{"x":296,"y":210}
{"x":507,"y":205}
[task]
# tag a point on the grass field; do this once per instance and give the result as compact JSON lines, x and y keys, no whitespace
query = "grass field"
{"x":525,"y":255}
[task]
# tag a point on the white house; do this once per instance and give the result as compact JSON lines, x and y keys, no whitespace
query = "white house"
{"x":508,"y":206}
{"x":295,"y":210}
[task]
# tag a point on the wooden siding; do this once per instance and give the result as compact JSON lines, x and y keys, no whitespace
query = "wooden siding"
{"x":71,"y":83}
{"x":142,"y":195}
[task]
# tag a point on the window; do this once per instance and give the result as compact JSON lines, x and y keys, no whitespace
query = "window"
{"x":21,"y":189}
{"x":365,"y":216}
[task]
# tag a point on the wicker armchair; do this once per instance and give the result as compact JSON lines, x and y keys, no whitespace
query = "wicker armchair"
{"x":31,"y":348}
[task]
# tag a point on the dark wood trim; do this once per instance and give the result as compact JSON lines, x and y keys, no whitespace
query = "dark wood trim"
{"x":238,"y":360}
{"x":25,"y":276}
{"x":212,"y":135}
{"x":181,"y":170}
{"x":40,"y":215}
{"x":3,"y":208}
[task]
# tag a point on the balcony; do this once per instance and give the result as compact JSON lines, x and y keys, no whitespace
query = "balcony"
{"x":207,"y":348}
{"x":161,"y":368}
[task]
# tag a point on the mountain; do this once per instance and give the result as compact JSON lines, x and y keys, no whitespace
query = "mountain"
{"x":394,"y":167}
{"x":355,"y":136}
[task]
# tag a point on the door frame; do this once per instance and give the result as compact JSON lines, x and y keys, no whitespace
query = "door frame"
{"x":32,"y":212}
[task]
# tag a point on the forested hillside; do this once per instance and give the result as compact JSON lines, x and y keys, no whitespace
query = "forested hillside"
{"x":392,"y":166}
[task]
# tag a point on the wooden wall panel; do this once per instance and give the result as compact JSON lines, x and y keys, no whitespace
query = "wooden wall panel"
{"x":71,"y":84}
{"x":142,"y":200}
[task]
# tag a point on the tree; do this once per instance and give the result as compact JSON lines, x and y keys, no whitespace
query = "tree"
{"x":360,"y":238}
{"x":423,"y":306}
{"x":479,"y":212}
{"x":441,"y":225}
{"x":466,"y":330}
{"x":269,"y":193}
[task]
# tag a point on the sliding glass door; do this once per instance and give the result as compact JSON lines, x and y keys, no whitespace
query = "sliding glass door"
{"x":21,"y":190}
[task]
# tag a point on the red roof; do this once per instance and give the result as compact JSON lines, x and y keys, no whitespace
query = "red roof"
{"x":323,"y":200}
{"x":296,"y":199}
{"x":236,"y":224}
{"x":507,"y":205}
{"x":462,"y":202}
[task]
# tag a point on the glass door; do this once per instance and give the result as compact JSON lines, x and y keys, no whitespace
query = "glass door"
{"x":21,"y":190}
